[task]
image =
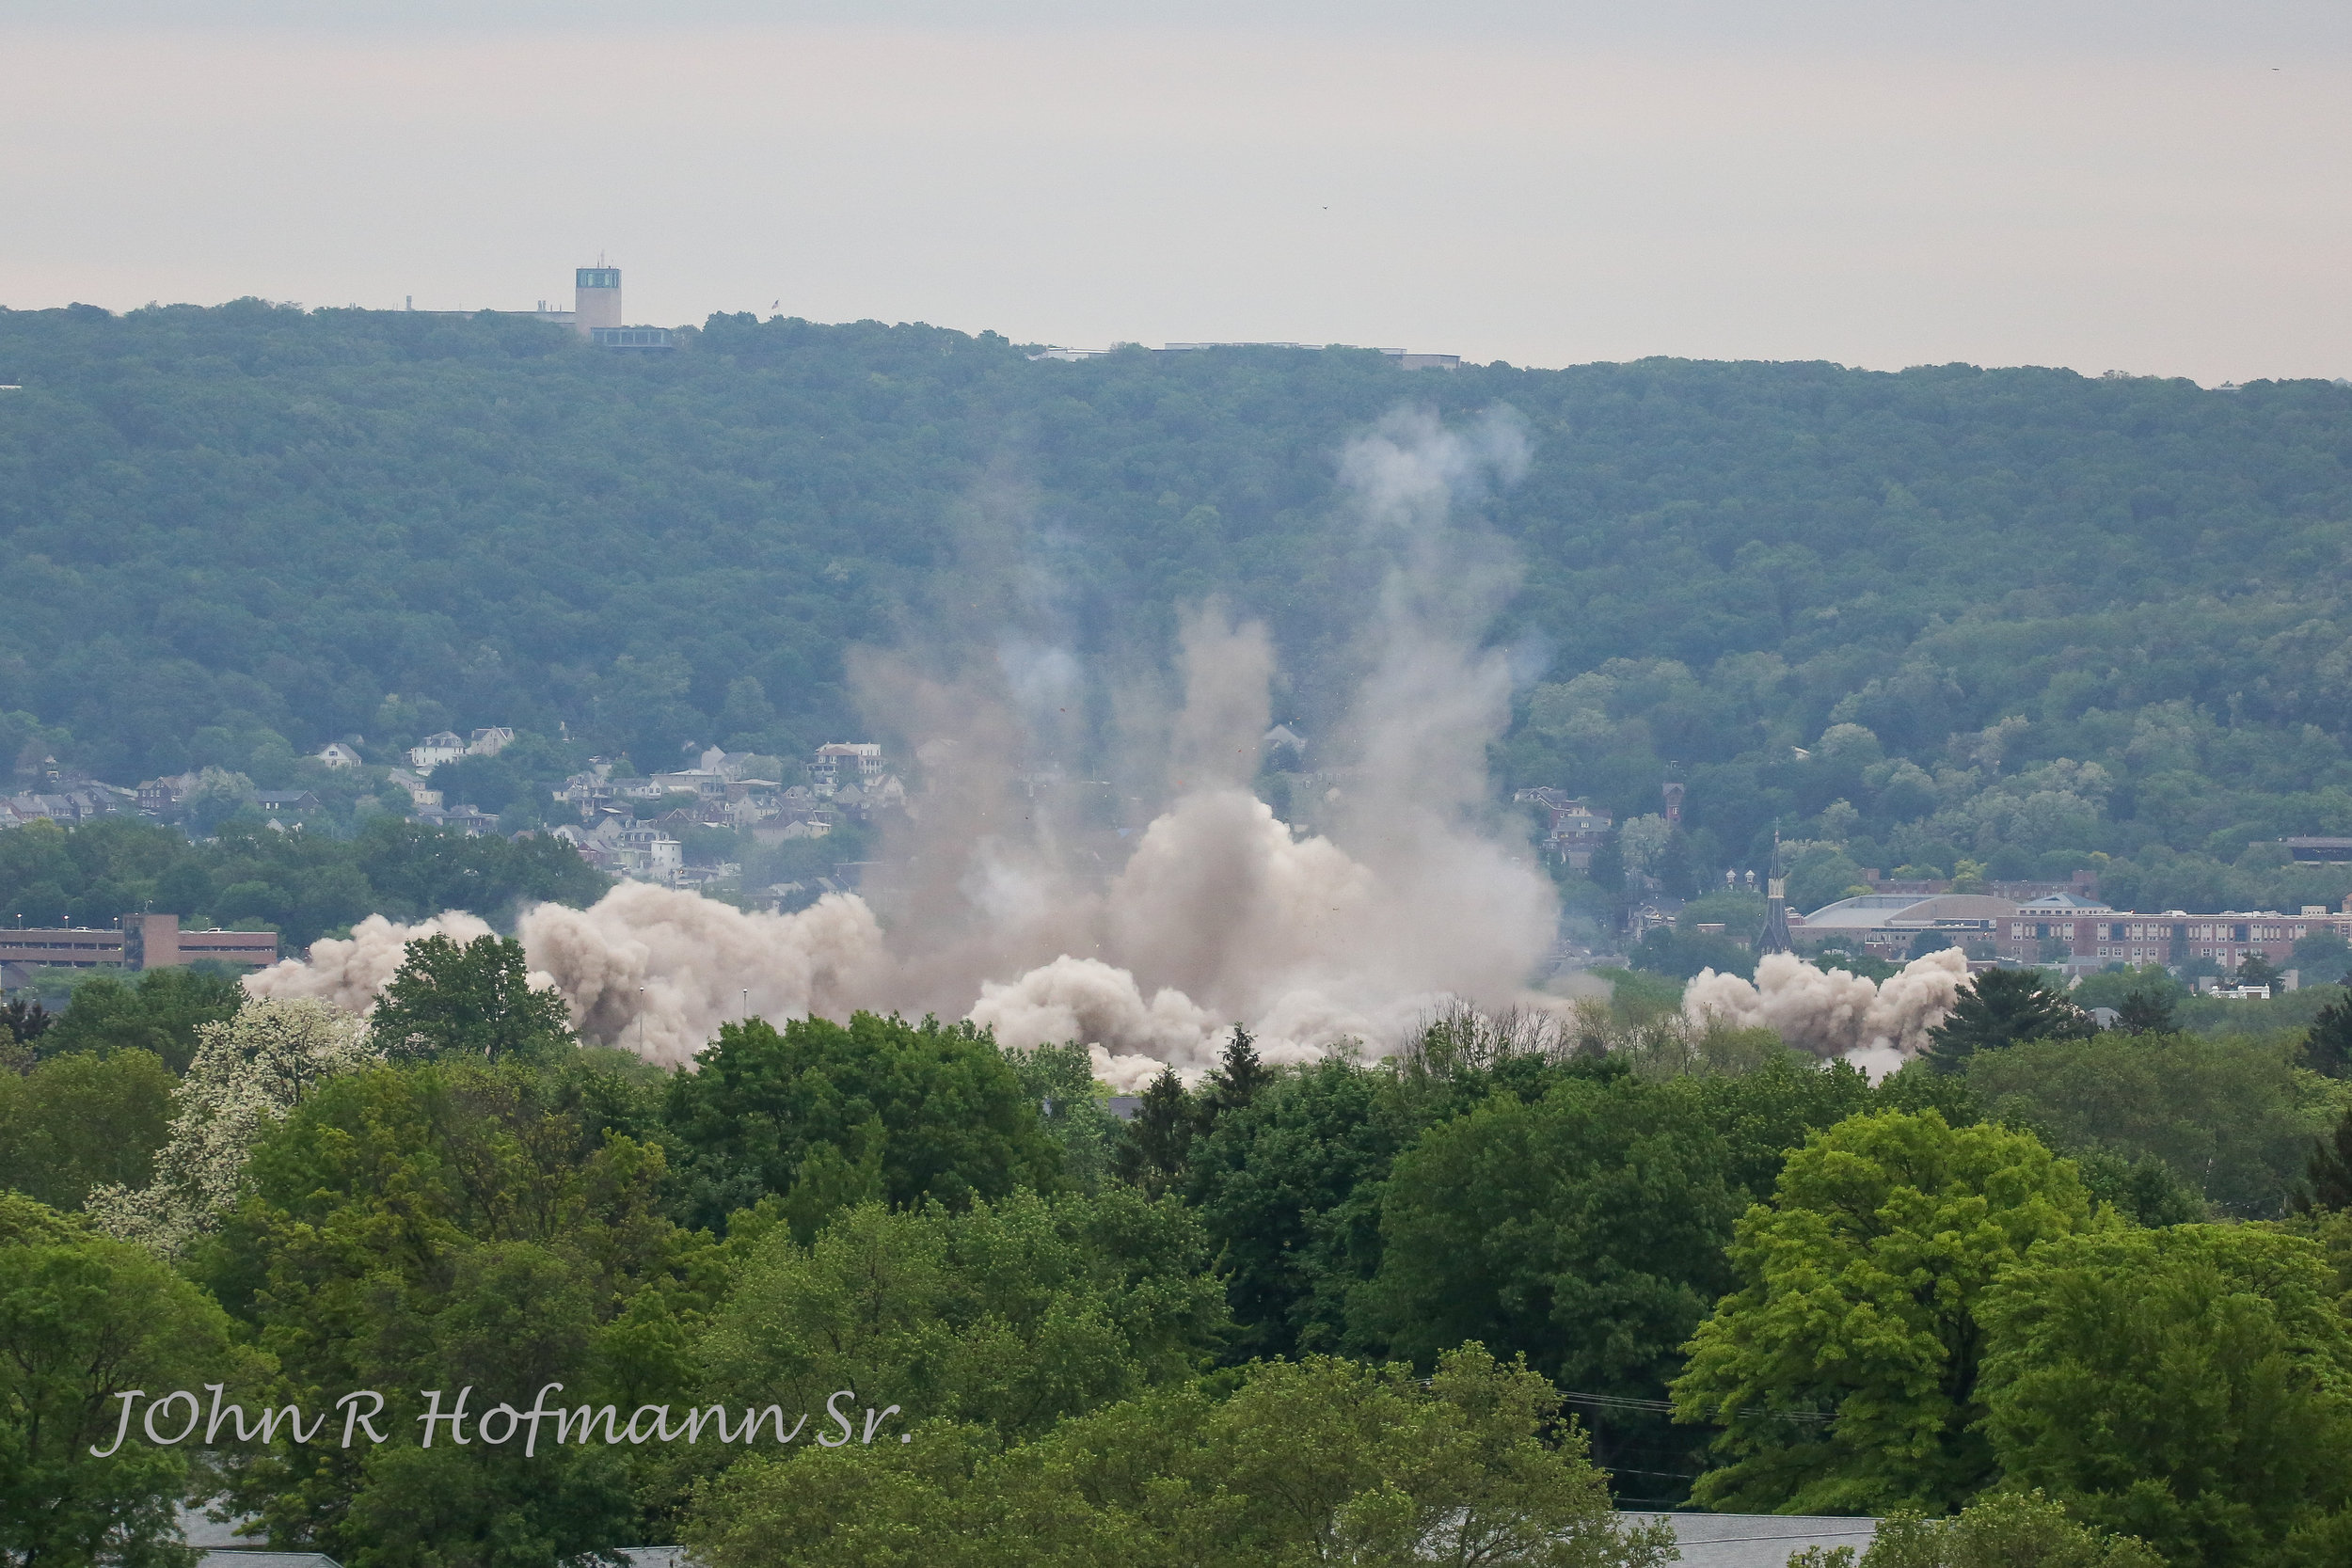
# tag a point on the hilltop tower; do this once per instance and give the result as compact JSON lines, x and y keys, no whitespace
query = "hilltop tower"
{"x":596,"y":299}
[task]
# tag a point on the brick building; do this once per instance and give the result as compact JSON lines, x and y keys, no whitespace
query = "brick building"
{"x":2077,"y":933}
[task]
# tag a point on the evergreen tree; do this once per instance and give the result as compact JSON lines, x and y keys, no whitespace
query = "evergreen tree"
{"x":2000,"y":1007}
{"x":1158,"y":1147}
{"x":2329,"y":1177}
{"x":1236,"y":1079}
{"x":25,"y":1022}
{"x":2257,"y":971}
{"x":2328,"y":1044}
{"x":2145,"y":1012}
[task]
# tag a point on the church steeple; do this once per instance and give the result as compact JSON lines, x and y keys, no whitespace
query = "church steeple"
{"x":1775,"y":937}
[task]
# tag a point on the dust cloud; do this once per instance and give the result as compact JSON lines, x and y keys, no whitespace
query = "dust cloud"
{"x":348,"y":972}
{"x":1833,"y":1012}
{"x":1144,"y":913}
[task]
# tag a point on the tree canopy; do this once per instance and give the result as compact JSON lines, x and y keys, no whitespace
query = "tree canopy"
{"x":2001,"y":1007}
{"x":1845,"y":1370}
{"x":83,"y":1318}
{"x":1849,"y":1296}
{"x":474,"y":1000}
{"x":302,"y":885}
{"x":1318,"y":1461}
{"x":878,"y":1108}
{"x":2191,"y":1387}
{"x":2018,"y":618}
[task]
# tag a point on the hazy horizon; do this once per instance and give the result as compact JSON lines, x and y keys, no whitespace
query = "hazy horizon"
{"x":2151,"y":189}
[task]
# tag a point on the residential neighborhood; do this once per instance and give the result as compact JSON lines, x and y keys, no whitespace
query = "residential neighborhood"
{"x":673,"y":827}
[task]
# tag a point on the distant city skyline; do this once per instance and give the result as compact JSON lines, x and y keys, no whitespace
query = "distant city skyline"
{"x":2155,"y":189}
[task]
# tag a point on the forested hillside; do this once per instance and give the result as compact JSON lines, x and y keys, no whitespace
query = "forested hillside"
{"x":2018,"y":617}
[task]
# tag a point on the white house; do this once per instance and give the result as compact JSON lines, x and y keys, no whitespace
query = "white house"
{"x":435,"y":750}
{"x":337,"y":754}
{"x":650,"y":854}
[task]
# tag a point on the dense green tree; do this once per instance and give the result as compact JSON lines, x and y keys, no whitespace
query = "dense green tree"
{"x":2230,"y":1114}
{"x":1289,"y":1188}
{"x":1317,"y":1462}
{"x":1585,"y":1230}
{"x":450,"y":1224}
{"x":159,"y":1012}
{"x":306,"y":885}
{"x":25,"y":1020}
{"x":2145,"y":1190}
{"x":77,"y":1121}
{"x":2323,"y":955}
{"x":2000,"y":1529}
{"x":1011,"y":1314}
{"x":1606,"y":874}
{"x":2145,"y":1012}
{"x":1862,"y":964}
{"x":493,"y":783}
{"x":949,"y":1116}
{"x":2000,"y":1007}
{"x":1074,"y":1108}
{"x":2328,"y":1044}
{"x":2115,"y":986}
{"x":1671,"y":950}
{"x":1156,"y":1151}
{"x":475,"y":1000}
{"x":2191,"y":1387}
{"x":2328,"y":1175}
{"x":1236,"y":1079}
{"x":84,"y":1320}
{"x":1844,"y":1372}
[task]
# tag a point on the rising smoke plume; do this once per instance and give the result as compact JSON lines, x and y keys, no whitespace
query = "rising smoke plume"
{"x":1833,"y":1012}
{"x":1020,"y":900}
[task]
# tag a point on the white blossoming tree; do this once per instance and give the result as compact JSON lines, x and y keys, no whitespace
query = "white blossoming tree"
{"x":247,"y":1073}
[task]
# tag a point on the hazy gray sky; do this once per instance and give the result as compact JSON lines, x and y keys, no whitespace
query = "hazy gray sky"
{"x":2149,"y":187}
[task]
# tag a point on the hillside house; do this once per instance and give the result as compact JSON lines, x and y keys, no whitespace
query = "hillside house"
{"x":1573,"y":829}
{"x":435,"y":750}
{"x":845,"y":762}
{"x":647,"y":855}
